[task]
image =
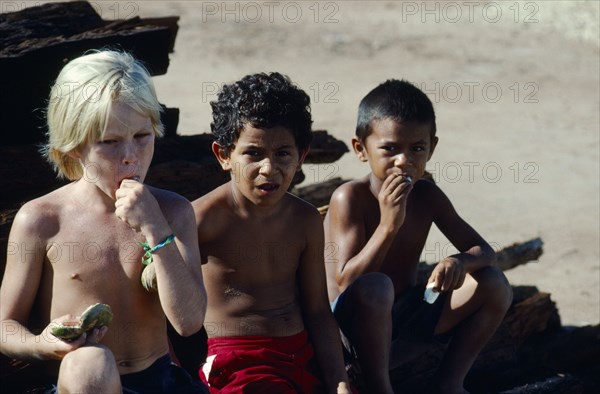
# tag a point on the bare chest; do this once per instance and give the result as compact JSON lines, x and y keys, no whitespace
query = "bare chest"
{"x":256,"y":254}
{"x":95,"y":246}
{"x":409,"y":242}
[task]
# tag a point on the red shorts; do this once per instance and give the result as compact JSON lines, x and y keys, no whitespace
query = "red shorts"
{"x":256,"y":364}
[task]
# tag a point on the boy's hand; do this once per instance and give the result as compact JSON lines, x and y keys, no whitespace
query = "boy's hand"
{"x":448,"y":274}
{"x":392,"y":200}
{"x":136,"y":206}
{"x":53,"y":348}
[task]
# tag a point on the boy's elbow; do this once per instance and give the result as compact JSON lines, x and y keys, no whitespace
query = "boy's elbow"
{"x":188,"y":328}
{"x":191,"y":323}
{"x":343,"y":281}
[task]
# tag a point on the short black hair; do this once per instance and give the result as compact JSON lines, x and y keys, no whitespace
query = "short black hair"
{"x":261,"y":100}
{"x":398,"y":100}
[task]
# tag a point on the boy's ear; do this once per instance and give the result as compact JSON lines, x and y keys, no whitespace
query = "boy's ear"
{"x":359,"y":149}
{"x":222,"y":156}
{"x":303,"y":155}
{"x":434,"y":142}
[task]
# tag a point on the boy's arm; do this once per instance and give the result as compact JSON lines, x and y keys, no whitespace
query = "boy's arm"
{"x":474,"y":252}
{"x":22,"y":277}
{"x":182,"y":295}
{"x":179,"y":276}
{"x":354,"y":253}
{"x":318,"y":318}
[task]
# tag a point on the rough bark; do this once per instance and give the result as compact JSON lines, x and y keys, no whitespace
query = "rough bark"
{"x":36,"y":43}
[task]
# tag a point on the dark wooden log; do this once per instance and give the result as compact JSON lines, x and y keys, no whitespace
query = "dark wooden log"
{"x":552,"y":361}
{"x":509,"y":257}
{"x":320,"y":193}
{"x":324,"y":148}
{"x":533,"y":314}
{"x":520,"y":253}
{"x":559,"y":384}
{"x":529,"y":353}
{"x":37,"y":42}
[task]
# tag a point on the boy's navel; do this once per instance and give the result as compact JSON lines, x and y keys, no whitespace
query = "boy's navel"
{"x":74,"y":275}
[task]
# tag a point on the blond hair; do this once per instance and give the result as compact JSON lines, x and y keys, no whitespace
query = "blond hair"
{"x":81,"y":98}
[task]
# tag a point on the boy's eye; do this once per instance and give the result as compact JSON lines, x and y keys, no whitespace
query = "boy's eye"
{"x":418,"y":148}
{"x":108,"y":142}
{"x":142,"y":135}
{"x":283,"y":153}
{"x":388,"y":148}
{"x":252,"y":153}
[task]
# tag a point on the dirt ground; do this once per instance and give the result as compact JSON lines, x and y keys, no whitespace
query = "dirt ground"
{"x":515,"y":85}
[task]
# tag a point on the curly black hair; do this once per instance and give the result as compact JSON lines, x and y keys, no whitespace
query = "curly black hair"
{"x":262,"y":101}
{"x":394,"y":99}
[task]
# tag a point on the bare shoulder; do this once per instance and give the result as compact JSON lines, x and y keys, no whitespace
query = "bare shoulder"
{"x":168,"y":197}
{"x":214,"y":199}
{"x":300,"y":210}
{"x":427,"y":192}
{"x":173,"y":205}
{"x":211,"y":212}
{"x":43,"y":216}
{"x":351,"y":197}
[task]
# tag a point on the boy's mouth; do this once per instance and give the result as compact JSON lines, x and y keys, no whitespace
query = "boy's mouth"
{"x":268,"y":187}
{"x":405,"y":177}
{"x":133,"y":178}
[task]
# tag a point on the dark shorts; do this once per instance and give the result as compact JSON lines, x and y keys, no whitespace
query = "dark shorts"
{"x":412,"y":317}
{"x":415,"y":319}
{"x":161,"y":377}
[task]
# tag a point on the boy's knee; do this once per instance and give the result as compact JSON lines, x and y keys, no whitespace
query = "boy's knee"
{"x":85,"y":362}
{"x":373,"y":289}
{"x":496,"y":286}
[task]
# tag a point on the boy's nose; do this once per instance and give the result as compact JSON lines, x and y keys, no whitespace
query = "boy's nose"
{"x":401,"y":160}
{"x":129,"y":154}
{"x":266,"y":167}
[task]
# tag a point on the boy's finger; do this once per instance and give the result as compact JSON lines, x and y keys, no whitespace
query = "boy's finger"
{"x":402,"y":191}
{"x":121,"y":192}
{"x":387,"y":181}
{"x":94,"y":336}
{"x":101,"y":332}
{"x":438,"y":280}
{"x":79,"y":341}
{"x":448,"y":280}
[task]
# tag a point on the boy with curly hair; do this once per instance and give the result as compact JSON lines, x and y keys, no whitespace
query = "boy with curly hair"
{"x":379,"y":224}
{"x":269,"y":323}
{"x":82,"y":243}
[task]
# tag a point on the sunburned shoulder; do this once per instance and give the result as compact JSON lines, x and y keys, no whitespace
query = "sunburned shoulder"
{"x":170,"y":202}
{"x":167,"y":195}
{"x":46,"y":212}
{"x":54,"y":202}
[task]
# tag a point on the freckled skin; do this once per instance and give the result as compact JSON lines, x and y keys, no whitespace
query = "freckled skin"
{"x":87,"y":235}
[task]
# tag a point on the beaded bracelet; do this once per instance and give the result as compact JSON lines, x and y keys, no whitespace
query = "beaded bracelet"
{"x":147,"y":257}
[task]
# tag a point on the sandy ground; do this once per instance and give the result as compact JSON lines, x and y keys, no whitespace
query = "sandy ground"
{"x":515,"y":86}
